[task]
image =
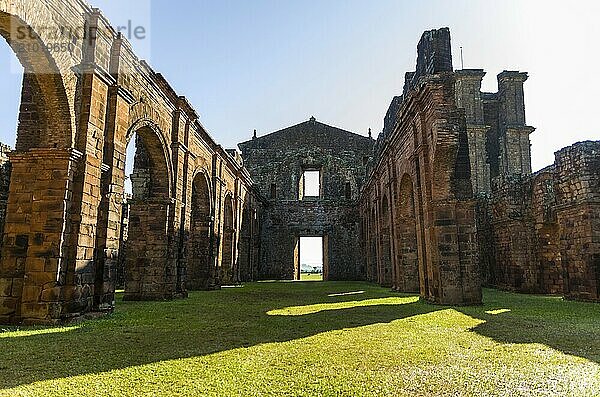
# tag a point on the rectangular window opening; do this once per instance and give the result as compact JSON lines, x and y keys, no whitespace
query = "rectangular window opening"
{"x":312,"y":183}
{"x":311,"y":258}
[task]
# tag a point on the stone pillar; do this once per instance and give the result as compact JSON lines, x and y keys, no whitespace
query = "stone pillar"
{"x":82,"y":269}
{"x":33,"y":266}
{"x":183,"y":117}
{"x":150,"y":276}
{"x":468,"y":97}
{"x":112,"y":223}
{"x":217,"y":213}
{"x":453,"y":259}
{"x":468,"y":94}
{"x":108,"y":239}
{"x":4,"y":185}
{"x":394,"y":243}
{"x":515,"y":147}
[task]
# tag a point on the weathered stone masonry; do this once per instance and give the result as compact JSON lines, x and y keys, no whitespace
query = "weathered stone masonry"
{"x":79,"y":109}
{"x":277,"y":162}
{"x":544,"y":227}
{"x":419,"y":196}
{"x":444,"y":202}
{"x":535,"y":233}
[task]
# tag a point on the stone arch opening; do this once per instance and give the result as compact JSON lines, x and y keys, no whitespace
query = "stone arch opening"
{"x":40,"y":176}
{"x":150,"y":177}
{"x":408,"y":256}
{"x":199,"y":263}
{"x":44,"y":116}
{"x":228,"y":273}
{"x":385,"y":268}
{"x":149,"y":271}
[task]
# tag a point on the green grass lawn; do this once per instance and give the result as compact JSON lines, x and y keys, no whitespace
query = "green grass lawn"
{"x":312,"y":339}
{"x":311,"y":277}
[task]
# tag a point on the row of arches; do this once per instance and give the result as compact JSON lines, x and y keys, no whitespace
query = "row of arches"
{"x":404,"y":272}
{"x":63,"y":239}
{"x":211,"y":246}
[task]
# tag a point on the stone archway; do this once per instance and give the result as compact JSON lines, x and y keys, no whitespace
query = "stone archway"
{"x":45,"y":119}
{"x":228,"y":275}
{"x":150,"y":272}
{"x":79,"y":108}
{"x":33,"y":265}
{"x":385,"y":262}
{"x":407,"y":272}
{"x":199,"y":264}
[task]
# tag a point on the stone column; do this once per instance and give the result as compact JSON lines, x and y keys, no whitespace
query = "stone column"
{"x":453,"y":253}
{"x":33,"y":265}
{"x":515,"y":147}
{"x":468,"y":98}
{"x":149,"y":275}
{"x":108,"y":239}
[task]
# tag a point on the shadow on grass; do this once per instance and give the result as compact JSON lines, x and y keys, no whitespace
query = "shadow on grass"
{"x":572,"y":328}
{"x":211,"y":322}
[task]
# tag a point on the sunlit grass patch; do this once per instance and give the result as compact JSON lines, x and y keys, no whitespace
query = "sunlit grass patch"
{"x":310,"y":309}
{"x":311,"y":277}
{"x":21,"y":332}
{"x":498,"y":311}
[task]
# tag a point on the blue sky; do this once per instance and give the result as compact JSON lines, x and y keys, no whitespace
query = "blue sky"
{"x":267,"y":64}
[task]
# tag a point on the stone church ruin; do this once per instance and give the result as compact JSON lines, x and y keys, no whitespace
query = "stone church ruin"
{"x":442,"y":203}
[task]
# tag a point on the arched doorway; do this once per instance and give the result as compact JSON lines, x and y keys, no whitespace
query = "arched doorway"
{"x":150,"y":272}
{"x":385,"y":268}
{"x":228,"y":275}
{"x":407,"y":272}
{"x":36,"y":225}
{"x":199,"y":264}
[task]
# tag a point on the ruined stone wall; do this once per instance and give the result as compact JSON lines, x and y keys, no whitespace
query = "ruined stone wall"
{"x":79,"y":110}
{"x":513,"y":236}
{"x":419,"y":194}
{"x":277,"y":162}
{"x":546,"y":231}
{"x":521,"y":234}
{"x":497,"y":132}
{"x":542,"y":231}
{"x":577,"y":187}
{"x":534,"y":233}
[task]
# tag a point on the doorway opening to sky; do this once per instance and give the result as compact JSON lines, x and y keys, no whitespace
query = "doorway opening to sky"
{"x":311,"y":258}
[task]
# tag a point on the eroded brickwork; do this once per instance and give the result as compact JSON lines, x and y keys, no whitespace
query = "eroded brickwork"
{"x":62,"y":242}
{"x":444,"y":202}
{"x":535,"y":233}
{"x":277,"y":163}
{"x":419,"y":194}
